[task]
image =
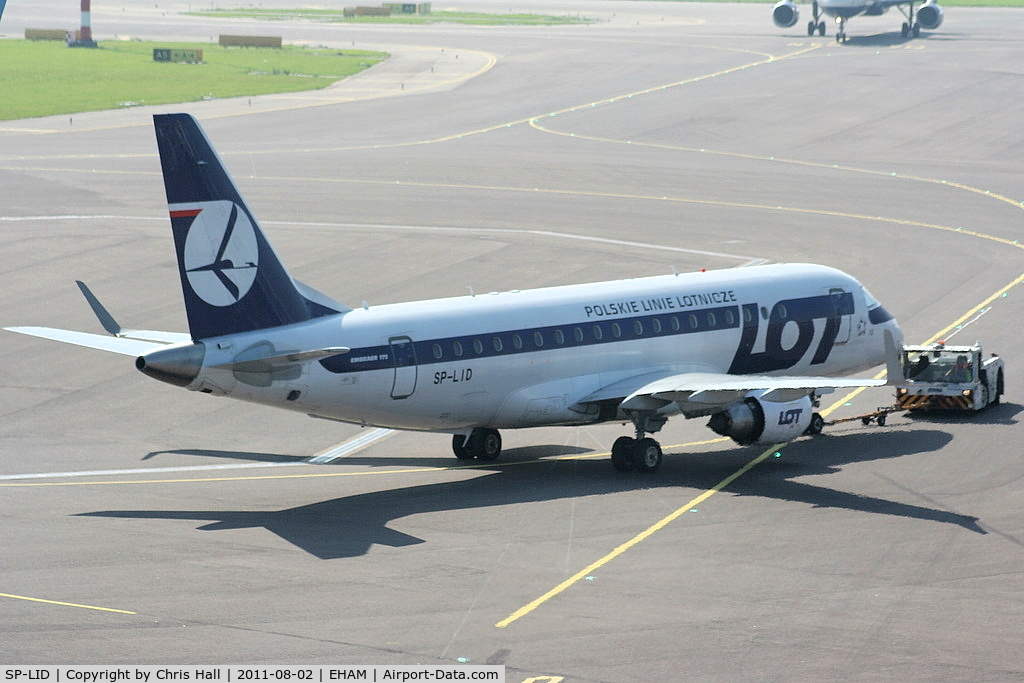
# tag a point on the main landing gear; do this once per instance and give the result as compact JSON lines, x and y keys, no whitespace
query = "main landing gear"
{"x":816,"y":24}
{"x":910,"y":27}
{"x":482,"y":444}
{"x":642,"y":454}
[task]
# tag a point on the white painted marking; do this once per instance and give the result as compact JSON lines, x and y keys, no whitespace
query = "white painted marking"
{"x":323,"y":458}
{"x":150,"y":470}
{"x":350,"y":446}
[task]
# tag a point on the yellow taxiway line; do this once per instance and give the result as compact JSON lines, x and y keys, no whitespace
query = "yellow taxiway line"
{"x":65,"y":604}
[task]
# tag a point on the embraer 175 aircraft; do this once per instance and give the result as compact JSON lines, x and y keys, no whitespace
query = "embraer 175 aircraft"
{"x":929,"y":15}
{"x":751,"y":348}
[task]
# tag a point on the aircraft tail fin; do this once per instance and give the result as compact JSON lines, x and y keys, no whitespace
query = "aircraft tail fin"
{"x":231,"y":278}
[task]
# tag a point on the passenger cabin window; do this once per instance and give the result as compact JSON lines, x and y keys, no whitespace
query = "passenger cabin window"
{"x":457,"y":349}
{"x":437,"y":351}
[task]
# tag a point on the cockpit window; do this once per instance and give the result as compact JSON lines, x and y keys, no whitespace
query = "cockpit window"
{"x":876,"y":312}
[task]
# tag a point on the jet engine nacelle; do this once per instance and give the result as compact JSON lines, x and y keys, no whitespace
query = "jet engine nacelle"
{"x":785,"y":14}
{"x":929,"y":16}
{"x":759,"y":421}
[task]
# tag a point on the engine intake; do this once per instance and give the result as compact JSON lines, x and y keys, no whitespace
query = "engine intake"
{"x":785,"y":14}
{"x":758,"y":421}
{"x":930,"y":16}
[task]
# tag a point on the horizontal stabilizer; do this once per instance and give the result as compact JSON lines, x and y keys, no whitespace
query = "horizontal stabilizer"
{"x":122,"y":345}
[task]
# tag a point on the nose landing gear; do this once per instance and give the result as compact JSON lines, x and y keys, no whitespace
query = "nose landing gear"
{"x":841,"y":31}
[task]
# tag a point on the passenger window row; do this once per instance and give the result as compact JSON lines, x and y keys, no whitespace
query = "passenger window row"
{"x":584,"y":334}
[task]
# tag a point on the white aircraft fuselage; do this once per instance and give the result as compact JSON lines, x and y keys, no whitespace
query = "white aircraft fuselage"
{"x":528,"y":358}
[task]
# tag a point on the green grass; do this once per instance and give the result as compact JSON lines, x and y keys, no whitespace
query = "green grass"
{"x":41,"y":78}
{"x":331,"y":16}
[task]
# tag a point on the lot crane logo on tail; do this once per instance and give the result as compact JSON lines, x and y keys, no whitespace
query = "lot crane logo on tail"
{"x":221,"y":254}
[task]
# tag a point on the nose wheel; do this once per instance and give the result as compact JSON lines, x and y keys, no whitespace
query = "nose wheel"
{"x":841,"y":31}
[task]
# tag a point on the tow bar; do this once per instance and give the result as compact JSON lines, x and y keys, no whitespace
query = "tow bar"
{"x":878,"y":416}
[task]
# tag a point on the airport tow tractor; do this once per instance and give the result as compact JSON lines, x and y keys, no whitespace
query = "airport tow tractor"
{"x":945,"y":378}
{"x":942,"y":377}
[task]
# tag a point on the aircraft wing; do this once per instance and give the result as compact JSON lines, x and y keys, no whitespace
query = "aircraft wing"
{"x":704,"y":391}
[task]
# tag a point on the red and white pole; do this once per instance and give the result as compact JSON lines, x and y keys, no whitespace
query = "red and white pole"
{"x":86,"y":34}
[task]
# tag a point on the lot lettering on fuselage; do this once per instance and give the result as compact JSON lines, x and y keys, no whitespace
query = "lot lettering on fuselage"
{"x":800,"y":312}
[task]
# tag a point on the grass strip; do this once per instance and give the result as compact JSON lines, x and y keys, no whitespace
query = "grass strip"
{"x":43,"y":78}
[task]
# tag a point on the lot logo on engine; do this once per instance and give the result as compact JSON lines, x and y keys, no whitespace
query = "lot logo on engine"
{"x":790,"y":417}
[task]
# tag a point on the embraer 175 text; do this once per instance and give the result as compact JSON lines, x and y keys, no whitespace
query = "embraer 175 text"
{"x":928,"y":16}
{"x":752,"y":348}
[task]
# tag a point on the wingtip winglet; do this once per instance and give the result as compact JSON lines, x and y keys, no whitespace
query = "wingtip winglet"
{"x":893,"y":366}
{"x":106,"y":320}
